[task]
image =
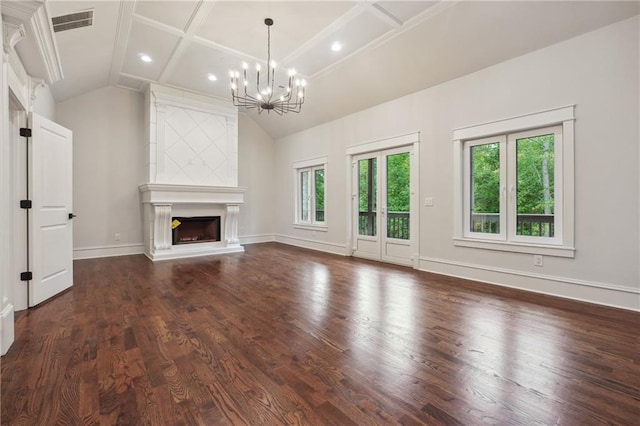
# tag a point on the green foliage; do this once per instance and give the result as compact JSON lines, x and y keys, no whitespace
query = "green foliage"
{"x":319,"y":186}
{"x":535,"y":176}
{"x":398,"y":182}
{"x":485,"y":180}
{"x":535,"y":160}
{"x":363,"y":184}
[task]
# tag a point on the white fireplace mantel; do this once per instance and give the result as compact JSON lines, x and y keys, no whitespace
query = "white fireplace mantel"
{"x":162,"y":202}
{"x":191,"y":194}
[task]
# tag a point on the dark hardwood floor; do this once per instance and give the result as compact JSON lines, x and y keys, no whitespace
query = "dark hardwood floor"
{"x":281,"y":335}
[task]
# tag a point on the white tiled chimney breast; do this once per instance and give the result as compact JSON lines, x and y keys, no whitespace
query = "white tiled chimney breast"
{"x":192,"y":168}
{"x":191,"y":142}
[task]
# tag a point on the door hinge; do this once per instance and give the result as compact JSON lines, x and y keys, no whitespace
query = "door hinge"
{"x":26,"y":276}
{"x":25,"y":204}
{"x":25,"y":132}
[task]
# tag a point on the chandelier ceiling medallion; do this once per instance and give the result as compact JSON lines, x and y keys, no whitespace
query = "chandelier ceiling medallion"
{"x":288,"y":99}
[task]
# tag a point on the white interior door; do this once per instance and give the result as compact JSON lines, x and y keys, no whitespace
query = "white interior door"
{"x":383,"y":205}
{"x":50,"y":224}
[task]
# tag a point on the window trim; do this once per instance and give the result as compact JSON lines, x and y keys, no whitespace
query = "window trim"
{"x":311,"y":166}
{"x":564,"y":209}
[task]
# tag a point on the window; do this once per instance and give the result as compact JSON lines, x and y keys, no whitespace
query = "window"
{"x":510,"y":187}
{"x":512,"y":195}
{"x":310,"y":194}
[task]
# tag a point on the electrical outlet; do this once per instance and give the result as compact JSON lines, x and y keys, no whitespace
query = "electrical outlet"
{"x":537,"y":260}
{"x":117,"y":236}
{"x":428,"y":202}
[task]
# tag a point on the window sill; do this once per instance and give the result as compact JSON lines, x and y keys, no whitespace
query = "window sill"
{"x":311,"y":227}
{"x":545,"y":250}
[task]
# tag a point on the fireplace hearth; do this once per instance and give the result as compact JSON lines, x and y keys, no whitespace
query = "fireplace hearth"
{"x":191,"y":230}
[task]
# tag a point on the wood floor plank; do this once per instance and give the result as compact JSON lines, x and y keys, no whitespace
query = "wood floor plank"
{"x":281,"y":335}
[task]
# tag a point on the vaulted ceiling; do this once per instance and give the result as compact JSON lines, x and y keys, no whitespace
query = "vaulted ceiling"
{"x":390,"y":48}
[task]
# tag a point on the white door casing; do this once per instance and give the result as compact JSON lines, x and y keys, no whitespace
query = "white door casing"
{"x":50,"y":224}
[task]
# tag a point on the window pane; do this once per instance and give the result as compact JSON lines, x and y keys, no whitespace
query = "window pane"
{"x":535,"y":189}
{"x":367,"y":197}
{"x":319,"y":186}
{"x":398,"y":185}
{"x":485,"y":188}
{"x":304,"y":196}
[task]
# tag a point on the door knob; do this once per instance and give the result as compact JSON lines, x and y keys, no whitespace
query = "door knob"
{"x":71,"y":215}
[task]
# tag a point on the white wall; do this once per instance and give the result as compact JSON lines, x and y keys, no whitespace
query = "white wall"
{"x":108,"y":132}
{"x":44,"y":104}
{"x":598,"y":72}
{"x":255,"y":171}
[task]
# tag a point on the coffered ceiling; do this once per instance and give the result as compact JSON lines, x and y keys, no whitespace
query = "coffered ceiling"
{"x":390,"y":48}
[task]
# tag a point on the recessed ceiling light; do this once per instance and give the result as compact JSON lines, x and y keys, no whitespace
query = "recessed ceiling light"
{"x":145,"y":58}
{"x":336,"y":46}
{"x":212,"y":77}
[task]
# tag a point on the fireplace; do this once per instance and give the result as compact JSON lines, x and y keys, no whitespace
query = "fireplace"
{"x":190,"y":230}
{"x":164,"y":203}
{"x":191,"y":168}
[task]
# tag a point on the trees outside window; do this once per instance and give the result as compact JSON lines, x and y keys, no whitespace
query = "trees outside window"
{"x":310,"y":208}
{"x":510,"y":186}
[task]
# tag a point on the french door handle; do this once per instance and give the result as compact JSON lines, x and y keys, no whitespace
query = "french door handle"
{"x":71,"y":216}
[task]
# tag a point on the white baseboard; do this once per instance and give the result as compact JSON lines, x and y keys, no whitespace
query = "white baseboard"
{"x":333,"y":248}
{"x":7,"y":329}
{"x":107,"y":251}
{"x":259,"y":238}
{"x":568,"y":288}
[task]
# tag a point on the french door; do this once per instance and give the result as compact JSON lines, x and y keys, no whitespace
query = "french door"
{"x":382,"y":205}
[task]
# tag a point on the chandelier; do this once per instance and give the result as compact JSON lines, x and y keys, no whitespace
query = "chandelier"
{"x":288,"y":99}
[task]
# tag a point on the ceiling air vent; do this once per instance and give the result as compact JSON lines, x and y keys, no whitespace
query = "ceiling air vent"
{"x":73,"y":20}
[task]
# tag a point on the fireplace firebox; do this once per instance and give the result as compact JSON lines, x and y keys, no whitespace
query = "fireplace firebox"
{"x":190,"y":230}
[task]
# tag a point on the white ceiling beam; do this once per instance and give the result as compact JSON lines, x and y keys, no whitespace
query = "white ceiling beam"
{"x":384,"y":15}
{"x":222,"y":48}
{"x":336,"y":25}
{"x":158,"y":25}
{"x":202,"y":11}
{"x":125,"y":17}
{"x":429,"y":13}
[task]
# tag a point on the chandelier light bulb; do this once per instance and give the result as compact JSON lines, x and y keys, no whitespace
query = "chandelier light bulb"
{"x":269,"y":92}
